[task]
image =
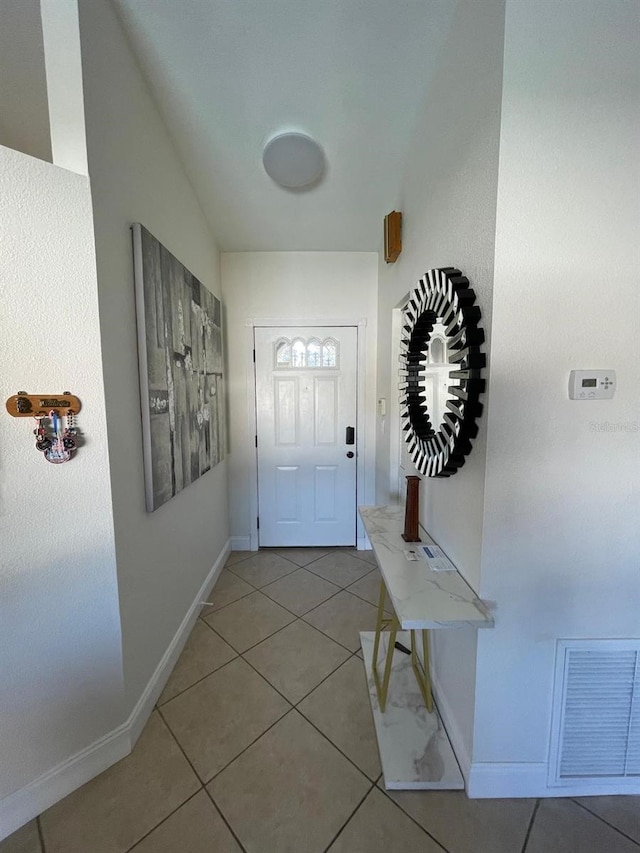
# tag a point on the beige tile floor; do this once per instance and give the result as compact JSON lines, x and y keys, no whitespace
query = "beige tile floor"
{"x":262,"y":741}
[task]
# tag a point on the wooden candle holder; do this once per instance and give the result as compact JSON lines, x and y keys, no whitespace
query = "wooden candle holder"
{"x":412,"y":510}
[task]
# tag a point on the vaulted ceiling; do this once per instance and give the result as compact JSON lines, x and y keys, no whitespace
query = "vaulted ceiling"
{"x":228,"y":75}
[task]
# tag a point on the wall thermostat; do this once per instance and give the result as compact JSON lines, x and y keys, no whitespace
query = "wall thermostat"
{"x":592,"y":384}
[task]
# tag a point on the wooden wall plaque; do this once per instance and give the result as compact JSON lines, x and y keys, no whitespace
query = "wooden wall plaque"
{"x":23,"y":405}
{"x":392,"y":236}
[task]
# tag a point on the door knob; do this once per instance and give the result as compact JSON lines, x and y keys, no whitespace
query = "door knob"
{"x":350,"y":454}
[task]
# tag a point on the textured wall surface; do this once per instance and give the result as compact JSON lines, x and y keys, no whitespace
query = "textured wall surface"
{"x":61,"y":684}
{"x":448,"y":202}
{"x":163,"y":557}
{"x":561,"y":533}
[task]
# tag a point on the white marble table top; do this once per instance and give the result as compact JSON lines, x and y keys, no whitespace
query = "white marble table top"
{"x":421,"y":598}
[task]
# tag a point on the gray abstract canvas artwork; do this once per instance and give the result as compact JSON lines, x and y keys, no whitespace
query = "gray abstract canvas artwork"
{"x":181,"y":377}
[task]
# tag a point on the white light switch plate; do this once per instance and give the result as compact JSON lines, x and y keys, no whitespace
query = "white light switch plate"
{"x":592,"y":384}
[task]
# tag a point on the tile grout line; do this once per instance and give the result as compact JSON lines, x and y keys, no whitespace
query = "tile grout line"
{"x":277,"y":580}
{"x":363,"y":575}
{"x":329,"y":635}
{"x":530,"y":827}
{"x":295,"y":704}
{"x":173,"y":735}
{"x":282,"y":577}
{"x":348,"y":820}
{"x":248,"y":746}
{"x":264,"y":639}
{"x":284,"y":607}
{"x":292,"y":707}
{"x":241,"y":655}
{"x":611,"y":825}
{"x":224,"y":819}
{"x":329,"y":553}
{"x":340,"y":549}
{"x":352,"y":654}
{"x":261,"y":588}
{"x":333,"y":594}
{"x":217,"y":773}
{"x":164,"y":819}
{"x":159,"y":705}
{"x":410,"y":816}
{"x":291,"y":613}
{"x":239,"y":598}
{"x":214,"y":632}
{"x":335,"y":746}
{"x":203,"y":785}
{"x":264,"y":551}
{"x":326,"y":677}
{"x":40,"y":835}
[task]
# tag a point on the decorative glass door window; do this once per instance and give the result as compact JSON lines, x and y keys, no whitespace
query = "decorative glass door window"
{"x":312,"y":354}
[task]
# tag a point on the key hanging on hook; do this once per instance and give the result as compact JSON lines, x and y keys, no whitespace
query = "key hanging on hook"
{"x":70,"y":437}
{"x":57,"y":453}
{"x":43,"y":442}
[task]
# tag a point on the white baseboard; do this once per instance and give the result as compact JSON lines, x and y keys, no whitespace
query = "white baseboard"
{"x":36,"y":797}
{"x":504,"y":779}
{"x":455,"y":737}
{"x":498,"y":780}
{"x":242,"y":543}
{"x":28,"y":802}
{"x":363,"y":544}
{"x":144,"y":706}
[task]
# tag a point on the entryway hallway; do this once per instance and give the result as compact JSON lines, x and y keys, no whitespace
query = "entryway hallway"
{"x":263,"y":742}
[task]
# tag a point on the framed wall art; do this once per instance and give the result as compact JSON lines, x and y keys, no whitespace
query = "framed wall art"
{"x":181,"y":376}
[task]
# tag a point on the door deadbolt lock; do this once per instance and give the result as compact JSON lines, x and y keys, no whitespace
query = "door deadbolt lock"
{"x":350,"y":454}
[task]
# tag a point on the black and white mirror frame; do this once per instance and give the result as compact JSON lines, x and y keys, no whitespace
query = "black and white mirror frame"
{"x":442,"y":295}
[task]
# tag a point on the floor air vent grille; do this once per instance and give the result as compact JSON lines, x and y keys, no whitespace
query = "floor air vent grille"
{"x":597,"y":720}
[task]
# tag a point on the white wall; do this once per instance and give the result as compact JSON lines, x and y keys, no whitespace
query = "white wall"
{"x":61,"y":682}
{"x":163,"y":557}
{"x":448,"y":201}
{"x":322,"y":286}
{"x":61,"y":35}
{"x":561,"y":524}
{"x":24,"y":114}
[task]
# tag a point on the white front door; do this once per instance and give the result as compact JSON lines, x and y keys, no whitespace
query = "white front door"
{"x":306,"y":419}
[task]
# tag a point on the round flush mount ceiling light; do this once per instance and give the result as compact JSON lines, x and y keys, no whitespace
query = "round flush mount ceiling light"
{"x":294,"y":160}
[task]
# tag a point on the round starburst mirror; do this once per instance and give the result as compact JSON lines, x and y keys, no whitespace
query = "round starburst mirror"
{"x":441,"y":371}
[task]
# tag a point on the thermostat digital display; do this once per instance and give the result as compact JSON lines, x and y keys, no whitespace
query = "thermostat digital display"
{"x":592,"y":384}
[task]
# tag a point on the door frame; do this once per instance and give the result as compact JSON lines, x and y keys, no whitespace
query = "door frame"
{"x":397,"y":447}
{"x":360,"y":325}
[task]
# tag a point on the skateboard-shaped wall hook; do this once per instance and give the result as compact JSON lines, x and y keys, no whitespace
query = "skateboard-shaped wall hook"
{"x":57,"y":409}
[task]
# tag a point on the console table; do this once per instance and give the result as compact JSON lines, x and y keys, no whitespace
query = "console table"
{"x":415,"y":751}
